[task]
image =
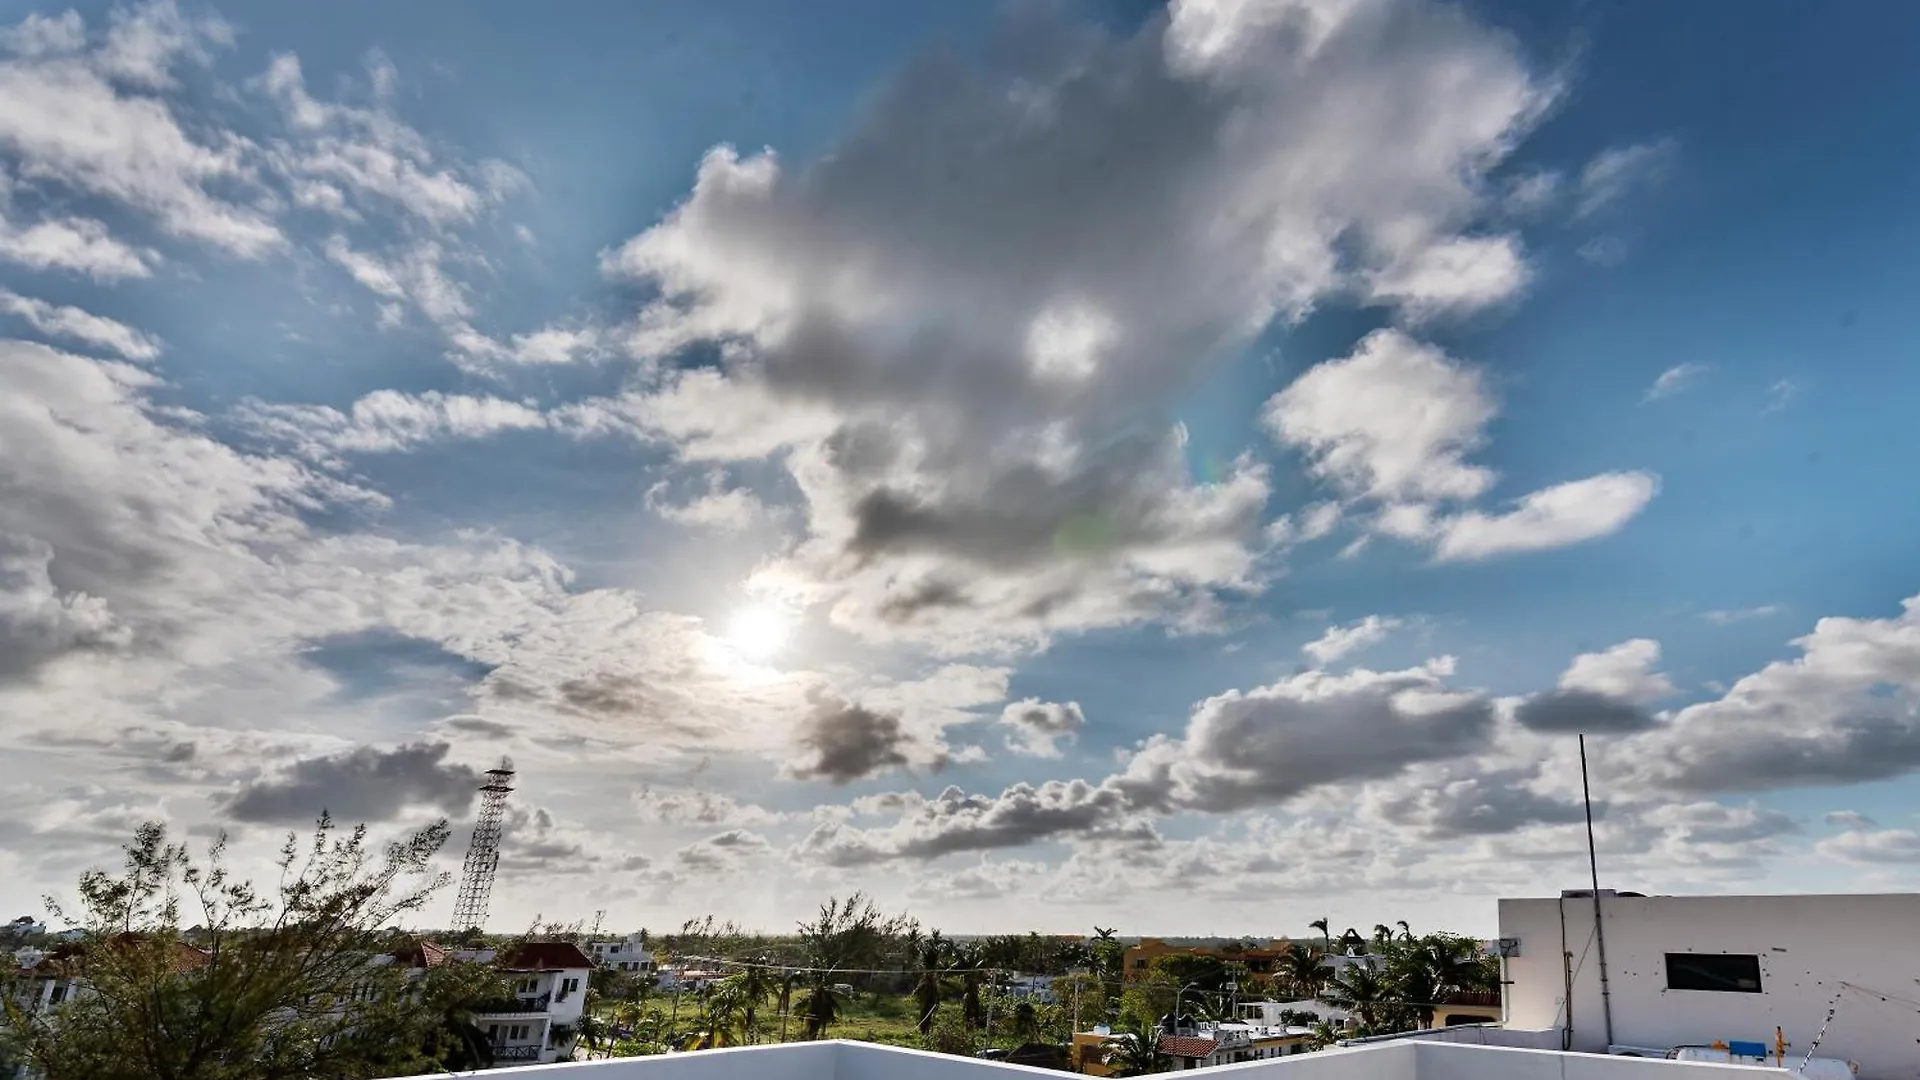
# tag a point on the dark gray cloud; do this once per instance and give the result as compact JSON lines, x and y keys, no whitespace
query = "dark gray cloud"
{"x":1260,"y":748}
{"x":955,"y":821}
{"x":476,"y":725}
{"x":1570,"y":711}
{"x":723,"y":853}
{"x":1851,"y":750}
{"x":842,"y":742}
{"x":1479,"y":804}
{"x":366,"y":784}
{"x":38,"y":619}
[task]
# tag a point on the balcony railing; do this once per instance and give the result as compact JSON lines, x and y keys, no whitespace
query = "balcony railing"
{"x":514,"y":1006}
{"x":529,"y":1052}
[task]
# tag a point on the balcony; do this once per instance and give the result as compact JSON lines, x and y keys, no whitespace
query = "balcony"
{"x":517,"y":1006}
{"x":1387,"y":1061}
{"x":526,"y":1052}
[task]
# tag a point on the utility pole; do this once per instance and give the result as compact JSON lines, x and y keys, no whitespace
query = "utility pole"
{"x":1593,"y":868}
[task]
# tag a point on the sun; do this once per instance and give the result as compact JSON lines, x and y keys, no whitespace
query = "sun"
{"x":758,"y":632}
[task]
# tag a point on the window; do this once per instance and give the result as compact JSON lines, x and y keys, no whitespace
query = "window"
{"x":59,"y":994}
{"x":526,"y":986}
{"x":1736,"y":973}
{"x":571,"y":986}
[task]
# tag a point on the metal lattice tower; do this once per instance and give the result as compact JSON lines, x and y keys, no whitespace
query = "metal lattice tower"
{"x":483,"y":855}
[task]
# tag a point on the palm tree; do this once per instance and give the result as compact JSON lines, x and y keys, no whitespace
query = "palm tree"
{"x":1382,"y":935}
{"x":1135,"y":1051}
{"x":1325,"y":926}
{"x":972,"y":965}
{"x":927,"y":989}
{"x":757,"y":983}
{"x":1362,"y":991}
{"x":1406,"y":932}
{"x":820,"y":1006}
{"x":1303,"y":969}
{"x":1026,"y":1022}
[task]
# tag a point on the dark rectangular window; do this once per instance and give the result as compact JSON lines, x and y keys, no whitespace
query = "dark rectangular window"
{"x":1734,"y":973}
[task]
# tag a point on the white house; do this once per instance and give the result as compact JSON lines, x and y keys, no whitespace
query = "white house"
{"x":1700,"y":970}
{"x":628,"y":954}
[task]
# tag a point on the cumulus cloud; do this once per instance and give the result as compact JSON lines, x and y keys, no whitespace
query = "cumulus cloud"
{"x":39,"y":620}
{"x":724,"y":853}
{"x":841,"y":742}
{"x":1729,"y":616}
{"x":89,"y":120}
{"x":1394,"y":423}
{"x":1624,"y":671}
{"x":1040,"y":726}
{"x":719,"y":507}
{"x":967,"y":399}
{"x":1872,"y":846}
{"x":955,"y":821}
{"x":1338,"y":641}
{"x":79,"y":245}
{"x":363,"y":785}
{"x":76,"y":324}
{"x":1844,"y":711}
{"x":707,"y":808}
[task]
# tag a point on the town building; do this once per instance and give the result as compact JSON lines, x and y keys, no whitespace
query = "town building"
{"x":628,"y":954}
{"x":1769,"y":972}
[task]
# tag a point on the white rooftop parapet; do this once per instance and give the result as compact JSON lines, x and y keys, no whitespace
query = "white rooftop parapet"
{"x":1411,"y":1060}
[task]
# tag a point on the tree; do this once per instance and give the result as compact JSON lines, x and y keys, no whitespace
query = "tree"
{"x":1325,"y":926}
{"x":1303,"y":970}
{"x":1364,"y":992}
{"x":927,"y":988}
{"x":286,"y":982}
{"x":1135,"y":1051}
{"x":1406,"y":932}
{"x":1382,"y":936}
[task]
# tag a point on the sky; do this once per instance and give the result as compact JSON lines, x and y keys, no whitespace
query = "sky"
{"x":1189,"y":468}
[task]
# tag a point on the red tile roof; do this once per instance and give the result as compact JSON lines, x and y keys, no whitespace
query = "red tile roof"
{"x":545,"y":956}
{"x":1187,"y":1046}
{"x":421,"y":954}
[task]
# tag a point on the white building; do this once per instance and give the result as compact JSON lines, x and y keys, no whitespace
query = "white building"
{"x":628,"y":954}
{"x":1696,"y":970}
{"x":547,"y":989}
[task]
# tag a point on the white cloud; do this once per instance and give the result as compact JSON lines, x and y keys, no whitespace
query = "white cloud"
{"x":80,"y":245}
{"x":1338,"y":641}
{"x":74,"y":324}
{"x":1393,"y":420}
{"x":967,"y":394}
{"x":1729,"y":616}
{"x":1673,"y":380}
{"x":1623,"y":672}
{"x":1603,"y":251}
{"x":1564,"y":514}
{"x":1779,"y":394}
{"x":1873,"y":846}
{"x":719,"y":507}
{"x":1618,"y":170}
{"x":45,"y":35}
{"x":82,"y":121}
{"x":387,"y":421}
{"x":1040,"y":726}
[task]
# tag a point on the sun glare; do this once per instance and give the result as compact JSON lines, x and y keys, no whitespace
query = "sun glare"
{"x":757,"y":632}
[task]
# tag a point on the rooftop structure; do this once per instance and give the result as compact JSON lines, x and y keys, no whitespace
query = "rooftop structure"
{"x":1767,"y":971}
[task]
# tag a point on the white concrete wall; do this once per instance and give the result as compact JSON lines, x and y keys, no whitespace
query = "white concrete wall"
{"x":1807,"y":945}
{"x":1411,"y":1060}
{"x":1452,"y":1061}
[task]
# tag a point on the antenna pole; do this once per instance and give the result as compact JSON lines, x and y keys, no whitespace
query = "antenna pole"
{"x":1593,"y":868}
{"x":483,"y":854}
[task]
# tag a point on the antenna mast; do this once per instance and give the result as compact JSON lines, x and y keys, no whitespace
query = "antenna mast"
{"x":1593,"y":868}
{"x":483,"y":854}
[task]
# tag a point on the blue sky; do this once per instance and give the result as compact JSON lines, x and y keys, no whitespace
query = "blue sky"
{"x":1005,"y":458}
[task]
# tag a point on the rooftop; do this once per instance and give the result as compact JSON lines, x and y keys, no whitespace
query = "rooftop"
{"x":836,"y":1060}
